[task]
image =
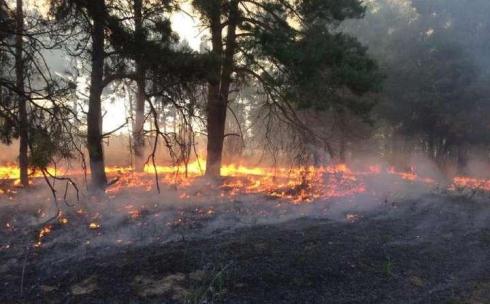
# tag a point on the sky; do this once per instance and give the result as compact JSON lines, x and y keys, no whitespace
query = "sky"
{"x":186,"y":27}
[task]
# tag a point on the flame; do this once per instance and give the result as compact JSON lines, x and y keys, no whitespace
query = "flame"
{"x":296,"y":184}
{"x":45,"y":230}
{"x":12,"y":172}
{"x":472,"y":183}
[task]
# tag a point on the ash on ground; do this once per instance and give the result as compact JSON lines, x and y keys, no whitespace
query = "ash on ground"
{"x":433,"y":248}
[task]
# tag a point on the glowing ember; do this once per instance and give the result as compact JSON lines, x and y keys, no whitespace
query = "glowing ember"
{"x":43,"y":233}
{"x":94,"y":226}
{"x":352,"y":218}
{"x":133,"y":212}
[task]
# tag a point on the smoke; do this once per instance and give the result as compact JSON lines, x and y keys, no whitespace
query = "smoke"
{"x":132,"y":213}
{"x":135,"y":216}
{"x":9,"y":152}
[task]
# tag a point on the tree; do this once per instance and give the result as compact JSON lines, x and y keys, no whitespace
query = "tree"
{"x":11,"y":29}
{"x":31,"y":103}
{"x":95,"y":10}
{"x":8,"y":117}
{"x":148,"y":22}
{"x":114,"y":44}
{"x":138,"y":127}
{"x":88,"y":19}
{"x":21,"y":99}
{"x":293,"y":50}
{"x":431,"y":52}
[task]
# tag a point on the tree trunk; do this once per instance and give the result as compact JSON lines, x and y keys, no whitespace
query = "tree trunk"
{"x":138,"y":127}
{"x":94,"y":116}
{"x":216,"y":118}
{"x":19,"y":74}
{"x":218,"y":92}
{"x":139,"y":122}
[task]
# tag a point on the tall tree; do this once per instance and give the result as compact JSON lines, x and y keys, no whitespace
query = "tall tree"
{"x":293,"y":50}
{"x":21,"y":98}
{"x":138,"y":127}
{"x":220,"y":79}
{"x":114,"y":44}
{"x":32,"y":98}
{"x":95,"y":10}
{"x":8,"y":116}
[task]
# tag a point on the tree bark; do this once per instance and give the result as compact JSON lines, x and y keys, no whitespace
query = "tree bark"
{"x":22,"y":102}
{"x":218,"y":91}
{"x":216,"y":118}
{"x":138,"y":127}
{"x":94,"y":116}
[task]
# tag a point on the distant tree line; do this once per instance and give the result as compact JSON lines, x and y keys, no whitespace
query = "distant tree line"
{"x":434,"y":54}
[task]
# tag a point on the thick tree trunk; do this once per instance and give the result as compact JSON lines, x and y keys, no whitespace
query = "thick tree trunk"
{"x":218,"y":92}
{"x":94,"y":116}
{"x":22,"y":103}
{"x":216,"y":118}
{"x":138,"y":127}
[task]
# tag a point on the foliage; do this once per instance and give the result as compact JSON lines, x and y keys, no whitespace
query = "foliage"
{"x":48,"y":114}
{"x":298,"y":57}
{"x":434,"y":91}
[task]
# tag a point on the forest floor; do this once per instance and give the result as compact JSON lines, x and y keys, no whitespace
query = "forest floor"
{"x":435,"y":249}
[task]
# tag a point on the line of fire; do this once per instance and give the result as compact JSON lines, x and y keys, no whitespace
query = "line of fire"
{"x":245,"y":151}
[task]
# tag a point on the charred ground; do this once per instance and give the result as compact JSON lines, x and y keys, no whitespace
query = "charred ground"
{"x":434,"y":249}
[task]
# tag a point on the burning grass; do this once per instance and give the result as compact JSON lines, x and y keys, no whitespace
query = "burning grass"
{"x":293,"y":184}
{"x":186,"y":192}
{"x":245,"y":195}
{"x":133,"y":216}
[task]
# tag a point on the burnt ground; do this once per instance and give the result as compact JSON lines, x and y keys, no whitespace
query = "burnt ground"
{"x":432,"y":250}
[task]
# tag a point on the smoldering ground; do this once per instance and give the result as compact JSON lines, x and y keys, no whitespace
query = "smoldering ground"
{"x":399,"y":242}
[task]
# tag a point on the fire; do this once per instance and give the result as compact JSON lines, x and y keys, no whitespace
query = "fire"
{"x":472,"y":183}
{"x":352,"y":218}
{"x":291,"y":185}
{"x":132,"y":211}
{"x":12,"y":172}
{"x":296,"y":184}
{"x":45,"y":230}
{"x":410,"y":176}
{"x":93,"y":226}
{"x":9,"y":172}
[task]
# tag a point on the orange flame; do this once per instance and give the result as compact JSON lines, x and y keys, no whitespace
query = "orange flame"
{"x":297,"y":184}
